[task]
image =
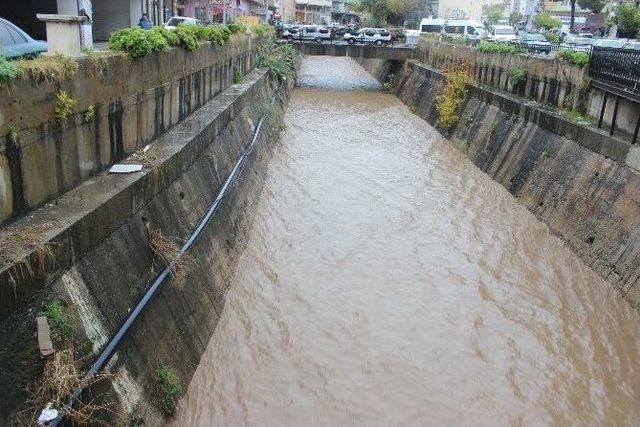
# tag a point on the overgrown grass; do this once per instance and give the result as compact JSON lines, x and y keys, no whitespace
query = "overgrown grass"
{"x":453,"y":94}
{"x":49,"y":67}
{"x":8,"y":71}
{"x":169,"y":389}
{"x":138,"y":42}
{"x":517,"y":76}
{"x":59,"y":319}
{"x":497,"y":47}
{"x":60,"y":377}
{"x":280,"y":58}
{"x":90,"y":114}
{"x":165,"y":250}
{"x":238,"y":77}
{"x":579,"y":59}
{"x":64,"y":106}
{"x":262,"y":31}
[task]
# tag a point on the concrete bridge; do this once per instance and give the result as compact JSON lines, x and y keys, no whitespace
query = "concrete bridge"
{"x":391,"y":53}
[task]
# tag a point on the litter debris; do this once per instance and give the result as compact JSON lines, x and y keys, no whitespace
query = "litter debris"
{"x":146,"y":148}
{"x":44,"y":337}
{"x":122,"y":168}
{"x":47,"y":414}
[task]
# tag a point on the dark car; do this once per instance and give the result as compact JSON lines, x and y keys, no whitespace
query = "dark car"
{"x":536,"y":43}
{"x":15,"y":43}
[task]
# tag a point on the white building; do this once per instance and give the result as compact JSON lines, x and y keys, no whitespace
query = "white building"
{"x":313,"y":11}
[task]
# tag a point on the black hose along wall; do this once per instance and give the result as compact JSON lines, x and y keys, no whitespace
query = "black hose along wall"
{"x":591,"y":201}
{"x":175,"y":328}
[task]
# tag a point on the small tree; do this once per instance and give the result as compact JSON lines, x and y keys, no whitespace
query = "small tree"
{"x":494,"y":14}
{"x":594,"y":6}
{"x":628,"y":20}
{"x":545,"y":21}
{"x":515,"y":17}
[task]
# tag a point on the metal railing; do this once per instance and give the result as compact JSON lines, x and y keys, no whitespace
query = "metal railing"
{"x":616,"y":67}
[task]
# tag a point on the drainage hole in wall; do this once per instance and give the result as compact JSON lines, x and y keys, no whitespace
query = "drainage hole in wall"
{"x":181,"y":195}
{"x":590,"y":240}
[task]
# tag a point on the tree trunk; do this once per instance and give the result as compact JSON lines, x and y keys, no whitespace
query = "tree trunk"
{"x":572,"y":3}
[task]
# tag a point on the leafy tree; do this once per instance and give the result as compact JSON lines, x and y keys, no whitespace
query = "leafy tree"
{"x":546,"y":21}
{"x":381,"y":12}
{"x":494,"y":14}
{"x":515,"y":17}
{"x":594,"y":6}
{"x":628,"y":20}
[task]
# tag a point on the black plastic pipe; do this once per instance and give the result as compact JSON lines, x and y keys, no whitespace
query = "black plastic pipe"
{"x":111,"y":347}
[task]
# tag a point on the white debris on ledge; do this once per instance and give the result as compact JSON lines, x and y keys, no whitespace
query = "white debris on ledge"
{"x":128,"y":168}
{"x":47,"y":414}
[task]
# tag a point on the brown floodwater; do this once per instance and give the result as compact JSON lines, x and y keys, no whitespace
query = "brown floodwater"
{"x":387,"y":281}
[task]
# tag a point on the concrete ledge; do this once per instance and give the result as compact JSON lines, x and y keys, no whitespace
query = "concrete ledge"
{"x":84,"y":216}
{"x":391,"y":53}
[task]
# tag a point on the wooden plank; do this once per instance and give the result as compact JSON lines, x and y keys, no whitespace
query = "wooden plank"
{"x":44,"y":337}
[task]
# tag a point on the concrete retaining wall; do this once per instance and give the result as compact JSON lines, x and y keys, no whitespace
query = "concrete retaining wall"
{"x":575,"y":179}
{"x":102,"y":241}
{"x":135,"y":101}
{"x":549,"y":81}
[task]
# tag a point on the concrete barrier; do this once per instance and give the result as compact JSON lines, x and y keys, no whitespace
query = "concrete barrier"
{"x":101,"y":258}
{"x":133,"y":101}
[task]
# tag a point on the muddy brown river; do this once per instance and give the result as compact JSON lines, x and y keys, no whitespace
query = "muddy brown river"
{"x":389,"y":282}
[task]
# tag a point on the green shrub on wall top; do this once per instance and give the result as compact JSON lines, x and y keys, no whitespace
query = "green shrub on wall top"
{"x":8,"y":70}
{"x":579,"y":59}
{"x":517,"y":76}
{"x":498,"y":47}
{"x":138,"y":42}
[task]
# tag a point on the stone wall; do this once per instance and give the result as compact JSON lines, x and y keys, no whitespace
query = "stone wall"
{"x":135,"y":101}
{"x":103,"y":261}
{"x":577,"y":180}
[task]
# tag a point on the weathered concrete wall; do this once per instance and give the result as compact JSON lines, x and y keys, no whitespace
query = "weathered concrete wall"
{"x":549,"y":81}
{"x":135,"y":100}
{"x":392,"y":53}
{"x":104,"y":226}
{"x":626,"y":117}
{"x":575,"y":179}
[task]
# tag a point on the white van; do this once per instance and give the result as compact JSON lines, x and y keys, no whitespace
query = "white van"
{"x":468,"y":28}
{"x":431,"y":26}
{"x":502,"y":33}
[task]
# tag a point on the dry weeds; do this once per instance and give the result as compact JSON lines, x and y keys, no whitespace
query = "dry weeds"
{"x":60,"y":378}
{"x":49,"y":67}
{"x":167,"y":250}
{"x":16,"y":244}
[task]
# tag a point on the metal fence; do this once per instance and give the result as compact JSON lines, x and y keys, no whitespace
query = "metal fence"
{"x":616,"y":67}
{"x":534,"y":47}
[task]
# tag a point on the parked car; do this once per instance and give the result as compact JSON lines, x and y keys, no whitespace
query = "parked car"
{"x":582,"y":44}
{"x":377,"y":36}
{"x":534,"y":42}
{"x":502,"y":33}
{"x":324,"y":33}
{"x":174,"y":21}
{"x":307,"y":32}
{"x":15,"y":43}
{"x":609,"y":43}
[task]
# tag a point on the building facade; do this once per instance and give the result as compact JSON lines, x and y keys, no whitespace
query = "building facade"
{"x":313,"y":11}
